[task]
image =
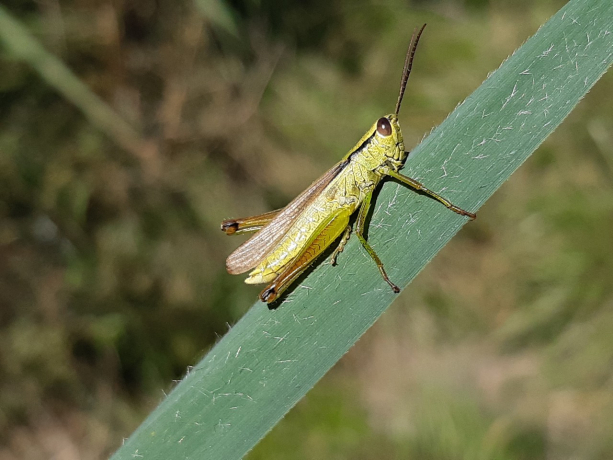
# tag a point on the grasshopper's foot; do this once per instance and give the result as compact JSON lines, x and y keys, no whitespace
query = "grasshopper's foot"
{"x":395,"y":288}
{"x":462,"y":212}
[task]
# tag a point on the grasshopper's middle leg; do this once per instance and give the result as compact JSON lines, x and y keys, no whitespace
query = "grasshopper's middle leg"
{"x":341,"y":245}
{"x":359,"y":231}
{"x":248,"y":224}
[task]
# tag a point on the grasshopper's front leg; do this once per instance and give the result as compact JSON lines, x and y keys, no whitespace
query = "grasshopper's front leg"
{"x":359,"y":231}
{"x":386,"y":170}
{"x":248,"y":224}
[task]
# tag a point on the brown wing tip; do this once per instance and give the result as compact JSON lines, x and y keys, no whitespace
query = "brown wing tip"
{"x":232,"y":270}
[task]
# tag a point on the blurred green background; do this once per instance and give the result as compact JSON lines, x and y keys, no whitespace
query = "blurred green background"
{"x":112,"y":278}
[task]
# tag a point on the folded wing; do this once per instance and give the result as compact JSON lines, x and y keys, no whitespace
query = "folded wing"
{"x":255,"y":249}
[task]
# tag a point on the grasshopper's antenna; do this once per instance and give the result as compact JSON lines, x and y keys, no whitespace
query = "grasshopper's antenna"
{"x":408,"y":63}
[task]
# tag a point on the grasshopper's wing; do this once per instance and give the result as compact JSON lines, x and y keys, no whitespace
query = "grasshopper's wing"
{"x":255,"y":249}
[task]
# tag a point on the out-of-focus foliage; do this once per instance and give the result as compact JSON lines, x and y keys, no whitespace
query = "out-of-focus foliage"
{"x":111,"y":261}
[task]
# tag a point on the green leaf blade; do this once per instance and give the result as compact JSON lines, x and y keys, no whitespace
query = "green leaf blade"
{"x":269,"y":360}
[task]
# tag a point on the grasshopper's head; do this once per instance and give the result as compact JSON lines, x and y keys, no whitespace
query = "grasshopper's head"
{"x":387,"y":129}
{"x":383,"y":142}
{"x":389,"y":136}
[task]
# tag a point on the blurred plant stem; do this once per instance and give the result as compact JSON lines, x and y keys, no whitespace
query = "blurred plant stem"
{"x":22,"y":45}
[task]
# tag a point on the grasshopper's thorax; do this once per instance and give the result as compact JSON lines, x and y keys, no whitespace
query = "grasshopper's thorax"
{"x":382,"y":144}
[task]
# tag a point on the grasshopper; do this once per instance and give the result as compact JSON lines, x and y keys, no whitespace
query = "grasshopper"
{"x":289,"y":240}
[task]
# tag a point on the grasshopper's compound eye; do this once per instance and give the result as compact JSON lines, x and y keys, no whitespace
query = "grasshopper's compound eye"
{"x":384,"y":128}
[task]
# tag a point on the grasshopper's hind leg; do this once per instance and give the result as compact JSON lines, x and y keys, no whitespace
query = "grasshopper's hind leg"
{"x":359,"y":231}
{"x":248,"y":224}
{"x":327,"y":236}
{"x":282,"y":282}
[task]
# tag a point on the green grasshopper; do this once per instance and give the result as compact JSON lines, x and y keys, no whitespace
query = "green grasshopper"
{"x":289,"y":240}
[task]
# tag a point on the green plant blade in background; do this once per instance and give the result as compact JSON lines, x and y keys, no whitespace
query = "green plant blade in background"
{"x":269,"y":360}
{"x":21,"y":44}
